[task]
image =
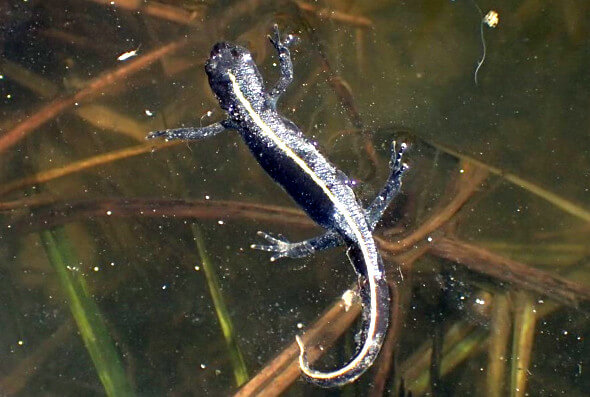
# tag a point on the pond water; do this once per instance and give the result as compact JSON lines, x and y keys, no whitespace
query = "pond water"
{"x":125,"y":264}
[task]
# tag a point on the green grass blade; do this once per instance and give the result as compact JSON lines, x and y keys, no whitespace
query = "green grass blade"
{"x":498,"y":344}
{"x":87,"y":316}
{"x":525,"y":321}
{"x":227,"y":328}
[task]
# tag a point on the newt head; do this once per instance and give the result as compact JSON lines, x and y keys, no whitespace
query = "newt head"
{"x":230,"y":59}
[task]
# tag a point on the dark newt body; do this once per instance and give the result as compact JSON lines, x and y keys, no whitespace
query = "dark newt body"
{"x":319,"y":188}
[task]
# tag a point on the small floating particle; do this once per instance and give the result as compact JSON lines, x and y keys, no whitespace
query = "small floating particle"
{"x":129,"y":54}
{"x":492,"y":19}
{"x":348,"y":299}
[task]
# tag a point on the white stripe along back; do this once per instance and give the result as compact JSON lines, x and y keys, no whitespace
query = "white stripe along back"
{"x":349,"y":220}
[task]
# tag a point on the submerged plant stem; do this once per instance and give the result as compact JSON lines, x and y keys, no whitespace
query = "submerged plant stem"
{"x":227,"y":327}
{"x":499,"y":339}
{"x":555,"y":199}
{"x":95,"y":87}
{"x":87,"y":315}
{"x":77,"y":166}
{"x":525,"y":321}
{"x":461,"y":341}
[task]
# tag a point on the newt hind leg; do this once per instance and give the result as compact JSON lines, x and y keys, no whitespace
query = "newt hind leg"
{"x":375,"y":210}
{"x":283,"y":248}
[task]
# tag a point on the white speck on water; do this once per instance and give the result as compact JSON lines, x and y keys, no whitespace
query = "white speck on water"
{"x":347,"y":298}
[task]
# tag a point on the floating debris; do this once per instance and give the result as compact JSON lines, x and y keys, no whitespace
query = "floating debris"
{"x":129,"y":54}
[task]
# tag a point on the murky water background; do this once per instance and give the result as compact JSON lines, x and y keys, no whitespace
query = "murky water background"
{"x":125,"y":266}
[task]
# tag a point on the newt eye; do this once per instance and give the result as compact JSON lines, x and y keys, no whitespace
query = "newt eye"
{"x":235,"y":53}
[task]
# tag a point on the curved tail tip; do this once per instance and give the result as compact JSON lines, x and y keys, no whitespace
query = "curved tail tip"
{"x":299,"y":342}
{"x":301,"y":347}
{"x":303,"y":364}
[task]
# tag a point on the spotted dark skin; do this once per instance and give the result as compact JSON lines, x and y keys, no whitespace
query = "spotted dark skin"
{"x":318,"y":187}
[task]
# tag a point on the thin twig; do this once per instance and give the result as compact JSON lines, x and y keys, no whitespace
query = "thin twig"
{"x":386,"y":356}
{"x":335,"y":15}
{"x":159,"y":10}
{"x":537,"y":190}
{"x":52,"y":213}
{"x":475,"y":258}
{"x":94,"y":87}
{"x":344,"y":94}
{"x":283,"y":370}
{"x":518,"y":274}
{"x":77,"y":166}
{"x":470,"y":181}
